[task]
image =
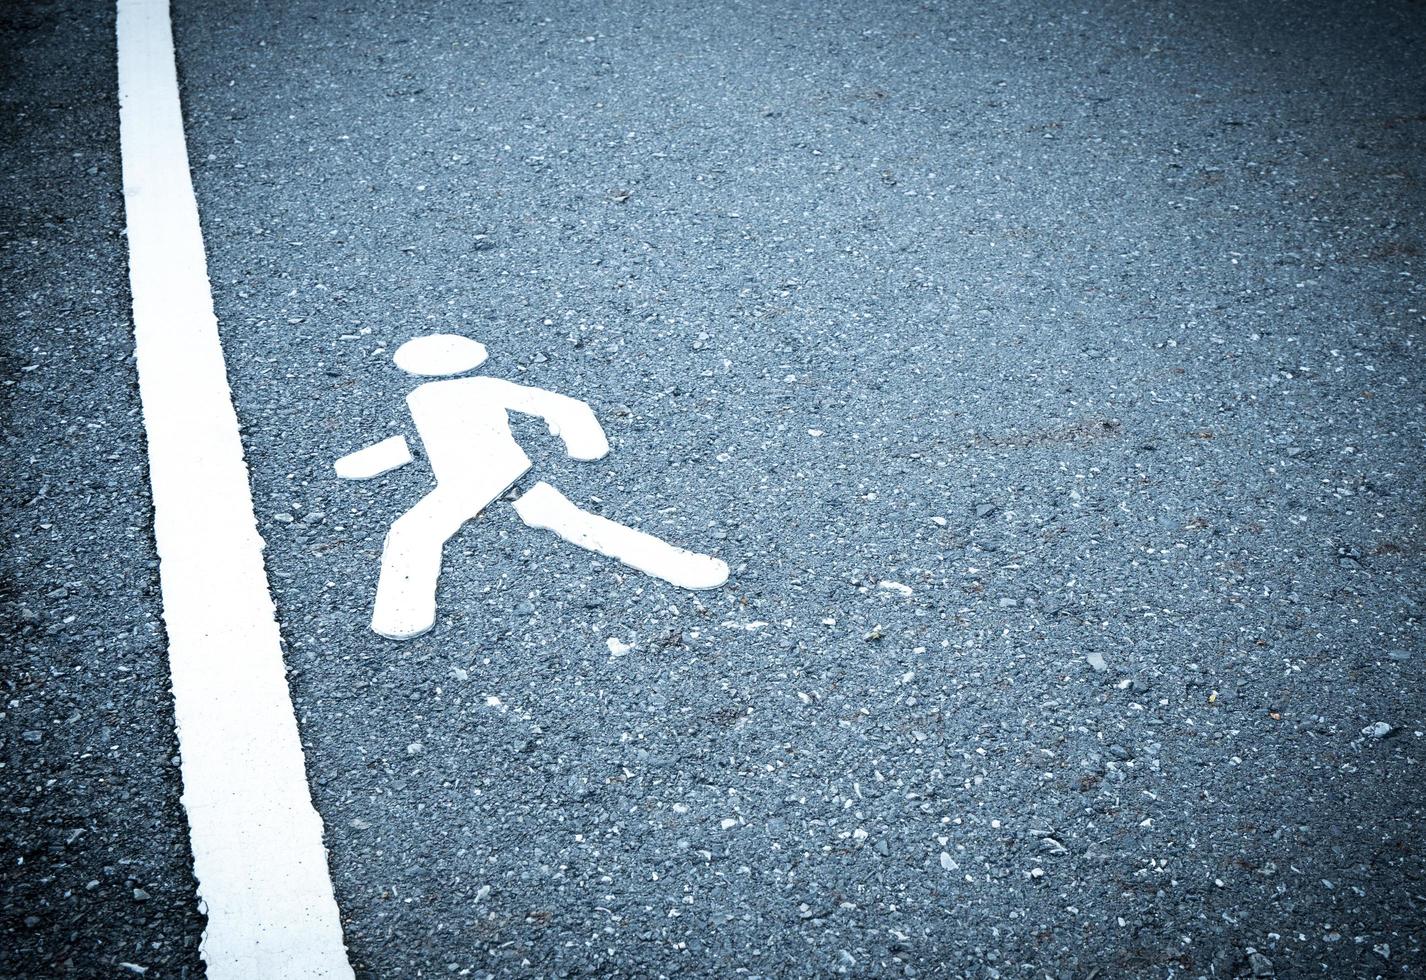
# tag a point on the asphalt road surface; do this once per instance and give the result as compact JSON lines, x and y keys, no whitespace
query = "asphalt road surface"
{"x":1050,"y":378}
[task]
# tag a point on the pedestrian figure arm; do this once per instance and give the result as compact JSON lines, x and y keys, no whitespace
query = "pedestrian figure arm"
{"x":568,"y":418}
{"x":374,"y":460}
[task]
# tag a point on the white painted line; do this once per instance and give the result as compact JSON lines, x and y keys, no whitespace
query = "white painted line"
{"x":257,"y":841}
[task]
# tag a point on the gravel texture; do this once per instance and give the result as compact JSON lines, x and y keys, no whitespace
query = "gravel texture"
{"x":1051,"y":379}
{"x":1099,"y":332}
{"x":97,"y":879}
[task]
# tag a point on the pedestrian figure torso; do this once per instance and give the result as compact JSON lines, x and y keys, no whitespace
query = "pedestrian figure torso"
{"x":459,"y":422}
{"x":465,"y":428}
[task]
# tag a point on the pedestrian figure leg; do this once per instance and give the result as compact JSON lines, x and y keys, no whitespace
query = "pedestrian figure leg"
{"x":411,"y":564}
{"x":545,"y":507}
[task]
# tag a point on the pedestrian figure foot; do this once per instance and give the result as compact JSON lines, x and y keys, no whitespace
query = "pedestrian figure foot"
{"x":401,"y":624}
{"x":545,"y":507}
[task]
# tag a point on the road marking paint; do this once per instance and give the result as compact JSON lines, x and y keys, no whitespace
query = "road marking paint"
{"x":440,"y":354}
{"x":464,"y":425}
{"x":257,"y":841}
{"x":546,"y":507}
{"x":374,"y":460}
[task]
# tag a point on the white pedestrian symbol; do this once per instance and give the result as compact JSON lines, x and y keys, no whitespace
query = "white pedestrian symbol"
{"x":464,"y":425}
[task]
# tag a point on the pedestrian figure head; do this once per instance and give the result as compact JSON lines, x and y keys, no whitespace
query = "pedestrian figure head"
{"x":439,"y":354}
